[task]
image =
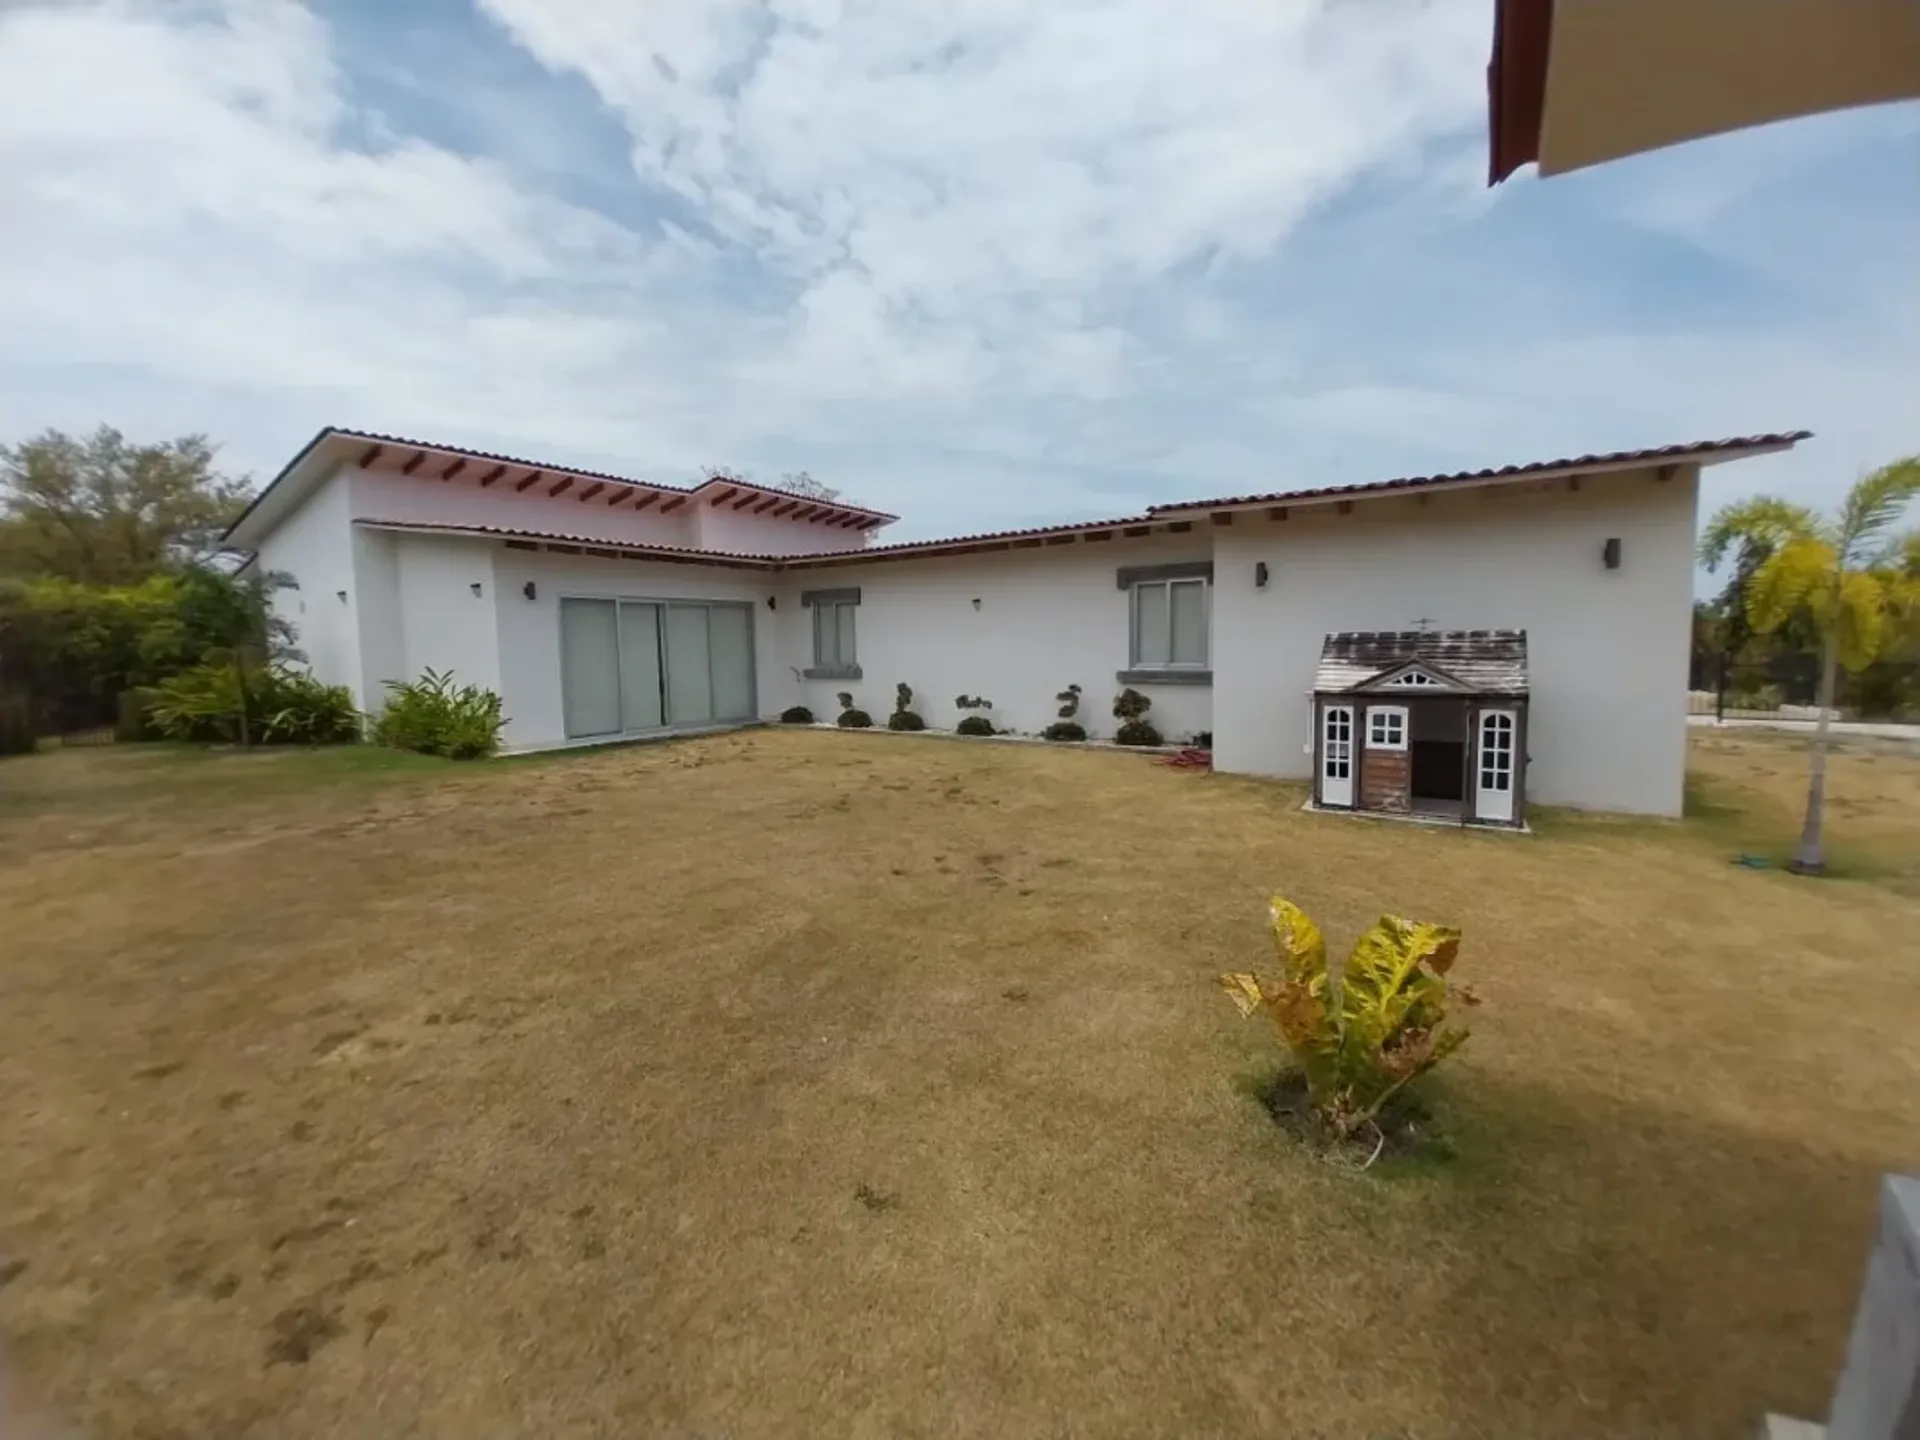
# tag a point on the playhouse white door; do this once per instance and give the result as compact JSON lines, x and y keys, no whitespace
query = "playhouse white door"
{"x":1336,"y":756}
{"x":1493,"y":767}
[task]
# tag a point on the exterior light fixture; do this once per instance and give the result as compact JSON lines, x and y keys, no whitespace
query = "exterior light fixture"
{"x":475,"y":587}
{"x":1610,"y":553}
{"x":528,"y":590}
{"x":1259,"y":574}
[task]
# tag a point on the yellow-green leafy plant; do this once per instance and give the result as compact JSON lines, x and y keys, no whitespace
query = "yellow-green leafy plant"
{"x":1847,"y":573}
{"x":1361,"y":1039}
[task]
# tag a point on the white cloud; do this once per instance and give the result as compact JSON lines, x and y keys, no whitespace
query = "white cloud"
{"x":981,"y":262}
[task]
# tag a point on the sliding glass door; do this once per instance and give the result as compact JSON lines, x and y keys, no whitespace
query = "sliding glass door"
{"x":632,"y":666}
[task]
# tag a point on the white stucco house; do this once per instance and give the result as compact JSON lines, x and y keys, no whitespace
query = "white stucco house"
{"x":601,"y":608}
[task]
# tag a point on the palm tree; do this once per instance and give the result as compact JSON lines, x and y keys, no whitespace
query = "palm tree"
{"x":1844,"y":573}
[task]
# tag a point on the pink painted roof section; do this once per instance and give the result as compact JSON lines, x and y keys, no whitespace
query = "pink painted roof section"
{"x":374,"y":437}
{"x":1708,"y":450}
{"x":597,"y":543}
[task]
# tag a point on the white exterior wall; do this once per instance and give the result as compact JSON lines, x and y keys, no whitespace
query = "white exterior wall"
{"x":386,"y":495}
{"x":528,"y":631}
{"x":740,"y":532}
{"x":376,"y":601}
{"x":1048,"y":617}
{"x":443,"y":625}
{"x":314,"y":546}
{"x":1607,"y":649}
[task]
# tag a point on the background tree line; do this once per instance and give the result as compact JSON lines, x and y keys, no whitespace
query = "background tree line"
{"x":110,"y":579}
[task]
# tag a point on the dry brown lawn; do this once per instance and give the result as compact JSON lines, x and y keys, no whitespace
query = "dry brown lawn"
{"x":820,"y":1085}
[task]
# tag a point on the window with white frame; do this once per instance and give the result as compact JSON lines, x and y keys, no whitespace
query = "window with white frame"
{"x":1386,"y":727}
{"x":836,"y":656}
{"x":1170,"y":623}
{"x":1412,"y":680}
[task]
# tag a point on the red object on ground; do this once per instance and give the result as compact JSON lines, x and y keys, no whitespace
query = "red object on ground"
{"x":1189,"y":760}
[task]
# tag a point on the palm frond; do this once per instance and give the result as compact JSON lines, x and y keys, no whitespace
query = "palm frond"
{"x":1788,"y":579}
{"x":1875,"y":502}
{"x":1770,"y":521}
{"x":1859,"y":619}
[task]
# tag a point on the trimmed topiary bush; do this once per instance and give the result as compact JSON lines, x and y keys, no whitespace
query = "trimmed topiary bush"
{"x":854,"y":720}
{"x":796,"y":715}
{"x":903,"y":717}
{"x":1130,"y":708}
{"x":974,"y":725}
{"x":1064,"y":730}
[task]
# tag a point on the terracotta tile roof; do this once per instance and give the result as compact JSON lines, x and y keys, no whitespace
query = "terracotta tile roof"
{"x":1489,"y":662}
{"x":376,"y":438}
{"x":1612,"y":459}
{"x":594,"y":544}
{"x":985,"y":539}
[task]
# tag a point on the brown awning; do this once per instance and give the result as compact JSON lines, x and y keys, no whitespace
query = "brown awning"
{"x":1573,"y":83}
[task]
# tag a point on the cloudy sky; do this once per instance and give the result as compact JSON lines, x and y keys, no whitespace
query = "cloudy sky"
{"x":982,"y":263}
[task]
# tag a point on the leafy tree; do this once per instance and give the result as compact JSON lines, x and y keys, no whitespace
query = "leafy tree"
{"x":1843,"y":574}
{"x":101,"y":511}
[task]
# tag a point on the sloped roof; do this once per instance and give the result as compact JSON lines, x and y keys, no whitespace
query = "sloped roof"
{"x":586,"y":544}
{"x":1707,"y":451}
{"x":286,"y":491}
{"x":1490,"y":662}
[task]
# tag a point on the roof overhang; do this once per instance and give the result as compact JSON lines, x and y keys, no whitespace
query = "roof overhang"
{"x":1573,"y":83}
{"x":562,"y":543}
{"x":1664,"y":460}
{"x":334,"y":447}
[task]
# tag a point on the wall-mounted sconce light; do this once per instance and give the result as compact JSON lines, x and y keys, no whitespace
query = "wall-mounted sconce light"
{"x":1259,"y":574}
{"x":1610,"y":553}
{"x":773,"y":602}
{"x":528,"y":590}
{"x":475,"y":587}
{"x":342,"y":595}
{"x":976,"y":602}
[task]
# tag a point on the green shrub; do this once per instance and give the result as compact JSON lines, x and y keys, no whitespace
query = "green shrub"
{"x":796,"y":715}
{"x":434,"y":716}
{"x":297,"y":709}
{"x":974,"y":725}
{"x":1129,"y":708}
{"x":903,"y":717}
{"x":1763,"y":697}
{"x":19,"y":735}
{"x":851,"y":719}
{"x":1360,"y":1043}
{"x":201,"y":703}
{"x":281,"y":706}
{"x":135,"y":723}
{"x":1064,"y":730}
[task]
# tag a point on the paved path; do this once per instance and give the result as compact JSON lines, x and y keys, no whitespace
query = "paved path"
{"x":1838,"y":727}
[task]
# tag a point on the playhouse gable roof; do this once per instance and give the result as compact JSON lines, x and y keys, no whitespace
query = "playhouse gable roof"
{"x":1478,"y":662}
